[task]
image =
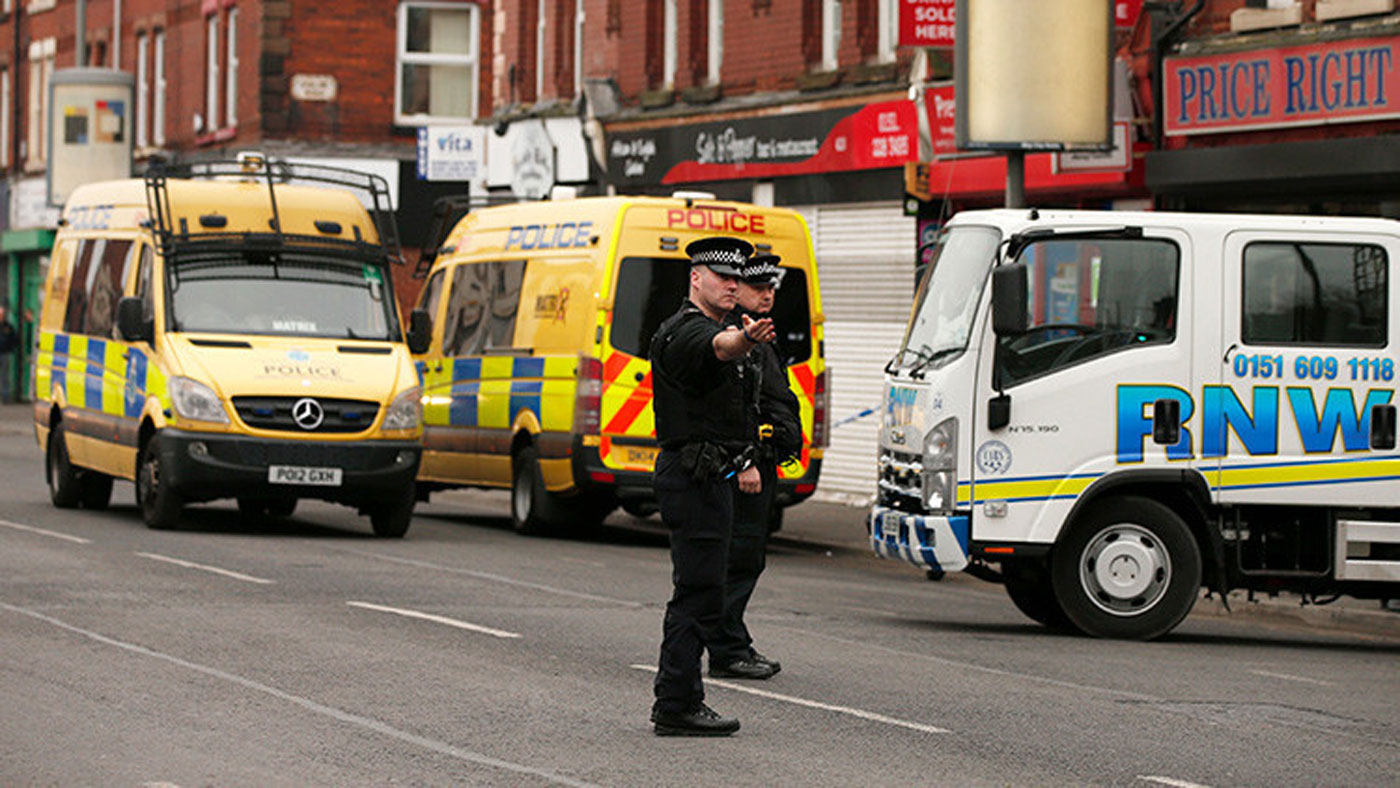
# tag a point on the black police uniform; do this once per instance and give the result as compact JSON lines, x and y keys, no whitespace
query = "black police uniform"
{"x":748,"y":544}
{"x":704,"y":423}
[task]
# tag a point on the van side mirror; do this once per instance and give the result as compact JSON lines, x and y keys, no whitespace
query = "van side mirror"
{"x":131,"y":321}
{"x":1009,"y":296}
{"x":420,"y":331}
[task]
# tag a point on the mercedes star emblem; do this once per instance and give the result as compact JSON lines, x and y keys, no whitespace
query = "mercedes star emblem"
{"x":307,"y":413}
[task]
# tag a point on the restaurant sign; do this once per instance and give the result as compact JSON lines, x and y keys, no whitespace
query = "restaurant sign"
{"x":1346,"y":81}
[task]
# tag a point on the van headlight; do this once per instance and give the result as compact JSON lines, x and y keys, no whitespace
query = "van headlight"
{"x":940,"y":461}
{"x":195,"y":401}
{"x":406,"y":412}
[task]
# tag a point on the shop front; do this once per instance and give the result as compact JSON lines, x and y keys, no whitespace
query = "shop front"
{"x":1305,"y":121}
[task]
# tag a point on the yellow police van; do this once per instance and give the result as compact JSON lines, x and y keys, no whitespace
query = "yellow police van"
{"x":536,"y":378}
{"x":229,"y":331}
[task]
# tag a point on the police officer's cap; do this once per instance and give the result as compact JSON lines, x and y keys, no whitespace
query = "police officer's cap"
{"x":721,"y":254}
{"x":762,"y":269}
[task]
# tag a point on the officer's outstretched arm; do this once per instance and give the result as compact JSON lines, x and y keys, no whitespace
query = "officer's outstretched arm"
{"x":732,"y":342}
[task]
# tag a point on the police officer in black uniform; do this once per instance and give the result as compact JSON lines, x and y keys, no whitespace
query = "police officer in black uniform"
{"x":705,"y":422}
{"x":732,"y":654}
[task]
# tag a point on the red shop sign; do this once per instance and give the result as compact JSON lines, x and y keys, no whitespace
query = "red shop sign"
{"x":926,"y":23}
{"x":1336,"y":82}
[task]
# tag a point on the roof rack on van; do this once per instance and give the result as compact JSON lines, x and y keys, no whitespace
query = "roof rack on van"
{"x":373,"y":191}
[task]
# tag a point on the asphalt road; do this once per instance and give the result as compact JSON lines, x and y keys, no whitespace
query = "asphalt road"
{"x":307,"y":652}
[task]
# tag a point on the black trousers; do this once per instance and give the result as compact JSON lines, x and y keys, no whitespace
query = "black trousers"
{"x":699,"y":517}
{"x":748,"y":551}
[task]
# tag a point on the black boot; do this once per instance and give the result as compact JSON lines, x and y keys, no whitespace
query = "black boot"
{"x":747,"y":668}
{"x":699,"y":721}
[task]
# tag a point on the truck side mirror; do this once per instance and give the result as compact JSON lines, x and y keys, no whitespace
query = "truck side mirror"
{"x":131,"y":321}
{"x":1009,"y":295}
{"x":420,"y":331}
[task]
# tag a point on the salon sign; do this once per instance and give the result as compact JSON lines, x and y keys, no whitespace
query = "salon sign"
{"x":1348,"y":81}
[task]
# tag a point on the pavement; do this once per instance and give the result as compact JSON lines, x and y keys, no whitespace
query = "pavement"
{"x":840,"y":529}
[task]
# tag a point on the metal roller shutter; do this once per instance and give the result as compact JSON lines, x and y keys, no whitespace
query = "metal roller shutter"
{"x":865,"y":263}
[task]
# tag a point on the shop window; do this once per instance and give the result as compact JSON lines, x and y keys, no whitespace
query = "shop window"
{"x":98,"y":278}
{"x":1315,"y":294}
{"x":1091,"y":298}
{"x":482,"y":305}
{"x":437,"y":62}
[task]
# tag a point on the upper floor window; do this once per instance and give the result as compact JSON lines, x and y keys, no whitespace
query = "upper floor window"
{"x":1315,"y":294}
{"x":41,"y":60}
{"x":437,"y":62}
{"x":578,"y":46}
{"x":5,"y":100}
{"x":231,"y":70}
{"x":211,"y":74}
{"x":831,"y":33}
{"x":158,"y":78}
{"x":714,"y":39}
{"x":670,"y":46}
{"x":889,"y":30}
{"x":541,"y":34}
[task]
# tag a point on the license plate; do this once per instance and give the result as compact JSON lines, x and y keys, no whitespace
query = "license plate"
{"x":889,"y":524}
{"x":301,"y":474}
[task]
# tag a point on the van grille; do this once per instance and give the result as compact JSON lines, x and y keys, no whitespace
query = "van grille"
{"x":276,"y":413}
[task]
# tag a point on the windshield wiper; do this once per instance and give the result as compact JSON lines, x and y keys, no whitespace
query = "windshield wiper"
{"x":922,"y":355}
{"x":932,"y":357}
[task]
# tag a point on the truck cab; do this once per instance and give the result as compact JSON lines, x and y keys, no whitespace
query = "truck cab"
{"x":1107,"y":410}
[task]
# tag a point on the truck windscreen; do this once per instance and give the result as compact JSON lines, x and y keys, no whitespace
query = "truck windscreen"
{"x":946,"y":302}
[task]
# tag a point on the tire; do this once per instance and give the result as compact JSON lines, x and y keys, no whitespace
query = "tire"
{"x":391,"y":520}
{"x":160,"y":506}
{"x":96,"y":490}
{"x":274,"y":509}
{"x":252,"y":508}
{"x":1129,"y":569}
{"x":530,"y":510}
{"x":65,"y":488}
{"x":639,"y":508}
{"x":1032,"y":593}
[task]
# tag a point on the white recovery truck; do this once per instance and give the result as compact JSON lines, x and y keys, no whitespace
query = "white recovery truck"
{"x":1106,"y":411}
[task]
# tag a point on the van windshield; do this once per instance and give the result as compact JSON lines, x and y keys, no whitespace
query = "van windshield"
{"x":280,"y":292}
{"x":651,"y":289}
{"x":946,"y":303}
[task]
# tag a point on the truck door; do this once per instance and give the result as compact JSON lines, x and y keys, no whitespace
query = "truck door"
{"x":1310,"y":354}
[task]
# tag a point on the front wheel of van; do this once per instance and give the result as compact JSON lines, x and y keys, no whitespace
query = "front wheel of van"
{"x":1129,"y":569}
{"x":391,"y":520}
{"x":65,"y":487}
{"x":160,"y":505}
{"x":529,"y":500}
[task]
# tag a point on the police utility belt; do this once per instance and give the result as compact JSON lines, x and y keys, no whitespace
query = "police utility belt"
{"x":713,"y":461}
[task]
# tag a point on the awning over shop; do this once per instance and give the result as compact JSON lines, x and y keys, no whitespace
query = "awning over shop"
{"x":1351,"y":164}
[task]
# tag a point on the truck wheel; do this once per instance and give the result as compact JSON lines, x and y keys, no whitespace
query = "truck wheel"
{"x":65,"y":488}
{"x":1031,"y":592}
{"x":529,"y":500}
{"x":1129,"y":568}
{"x":390,"y":520}
{"x":160,"y":506}
{"x":96,"y":490}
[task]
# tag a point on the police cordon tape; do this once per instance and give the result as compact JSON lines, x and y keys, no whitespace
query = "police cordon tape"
{"x":862,"y":414}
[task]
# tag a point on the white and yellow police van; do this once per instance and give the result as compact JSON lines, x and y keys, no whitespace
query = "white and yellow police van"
{"x":1118,"y":408}
{"x":232,"y":334}
{"x":537,"y":377}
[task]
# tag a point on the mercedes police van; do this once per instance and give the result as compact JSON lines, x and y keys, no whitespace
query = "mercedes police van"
{"x":537,"y":379}
{"x":231,"y":333}
{"x":1107,"y":410}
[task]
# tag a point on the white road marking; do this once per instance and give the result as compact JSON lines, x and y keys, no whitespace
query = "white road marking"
{"x":812,"y":704}
{"x":205,"y":568}
{"x":1287,"y":677}
{"x":451,"y":622}
{"x":55,"y":534}
{"x":496,"y":578}
{"x":367,"y":723}
{"x":1171,"y":781}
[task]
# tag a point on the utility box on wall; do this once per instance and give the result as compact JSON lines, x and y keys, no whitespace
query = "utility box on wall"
{"x":90,"y":111}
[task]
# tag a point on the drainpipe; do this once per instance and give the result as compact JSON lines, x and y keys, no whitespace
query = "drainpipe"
{"x":1159,"y":45}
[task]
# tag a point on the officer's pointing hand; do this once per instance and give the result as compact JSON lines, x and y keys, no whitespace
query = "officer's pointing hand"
{"x":759,"y":330}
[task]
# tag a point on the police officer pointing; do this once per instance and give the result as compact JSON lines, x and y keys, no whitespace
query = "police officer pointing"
{"x":704,"y":390}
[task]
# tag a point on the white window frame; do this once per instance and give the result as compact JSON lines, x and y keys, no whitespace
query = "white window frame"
{"x":5,"y":111}
{"x":472,"y":60}
{"x":211,"y":74}
{"x":158,"y":100}
{"x":143,"y":91}
{"x":831,"y":33}
{"x":670,"y":45}
{"x":231,"y":73}
{"x":889,"y":31}
{"x":579,"y":17}
{"x":714,"y":41}
{"x":41,"y":57}
{"x":541,"y":25}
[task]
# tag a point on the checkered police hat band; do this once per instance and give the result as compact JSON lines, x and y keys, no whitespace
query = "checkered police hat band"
{"x":719,"y":256}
